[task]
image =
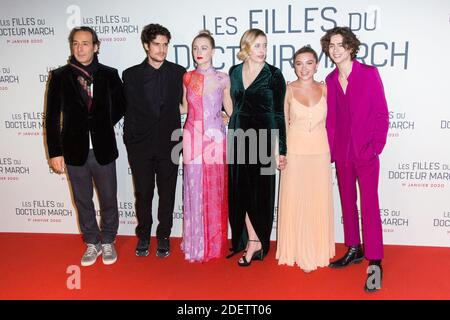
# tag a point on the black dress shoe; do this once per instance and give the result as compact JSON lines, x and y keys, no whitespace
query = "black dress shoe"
{"x":142,"y":247}
{"x":163,"y":248}
{"x":374,"y":276}
{"x":353,"y":255}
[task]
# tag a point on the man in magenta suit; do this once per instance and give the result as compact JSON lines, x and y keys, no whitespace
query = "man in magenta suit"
{"x":357,"y":125}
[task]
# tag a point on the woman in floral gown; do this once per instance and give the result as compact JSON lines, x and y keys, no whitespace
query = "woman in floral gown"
{"x":205,"y":217}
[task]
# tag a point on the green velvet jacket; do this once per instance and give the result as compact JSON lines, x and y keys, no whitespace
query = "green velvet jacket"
{"x":261,"y":105}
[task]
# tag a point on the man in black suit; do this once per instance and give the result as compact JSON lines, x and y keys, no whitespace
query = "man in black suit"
{"x":153,"y":91}
{"x":84,"y":101}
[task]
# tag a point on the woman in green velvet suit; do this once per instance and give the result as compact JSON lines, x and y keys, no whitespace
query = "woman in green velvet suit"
{"x":256,"y":147}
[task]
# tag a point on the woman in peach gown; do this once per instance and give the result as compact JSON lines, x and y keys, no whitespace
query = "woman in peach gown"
{"x":305,"y":216}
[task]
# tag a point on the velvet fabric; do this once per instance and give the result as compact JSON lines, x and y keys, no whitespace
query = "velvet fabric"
{"x":251,"y":186}
{"x":85,"y":77}
{"x":68,"y":122}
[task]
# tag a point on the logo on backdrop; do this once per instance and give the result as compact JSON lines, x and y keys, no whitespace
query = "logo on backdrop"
{"x":297,"y":20}
{"x":12,"y":169}
{"x":109,"y":27}
{"x":399,"y":123}
{"x":26,"y":123}
{"x":8,"y":78}
{"x":127,"y":214}
{"x":43,"y":211}
{"x":25,"y":30}
{"x":178,"y":212}
{"x":445,"y":124}
{"x":442,"y":222}
{"x":421,"y":174}
{"x":392,"y":220}
{"x":43,"y":77}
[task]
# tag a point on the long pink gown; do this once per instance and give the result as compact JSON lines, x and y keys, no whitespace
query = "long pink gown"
{"x":205,"y":226}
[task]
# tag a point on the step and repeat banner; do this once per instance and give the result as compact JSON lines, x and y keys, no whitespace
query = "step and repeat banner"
{"x":406,"y":40}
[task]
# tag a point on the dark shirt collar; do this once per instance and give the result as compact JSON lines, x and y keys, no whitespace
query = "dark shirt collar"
{"x":149,"y":67}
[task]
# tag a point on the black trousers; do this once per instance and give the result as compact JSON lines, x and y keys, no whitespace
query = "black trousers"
{"x":144,"y":171}
{"x":82,"y":179}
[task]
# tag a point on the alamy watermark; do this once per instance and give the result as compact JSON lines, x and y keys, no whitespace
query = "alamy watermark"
{"x":374,"y":278}
{"x":74,"y":279}
{"x":250,"y":146}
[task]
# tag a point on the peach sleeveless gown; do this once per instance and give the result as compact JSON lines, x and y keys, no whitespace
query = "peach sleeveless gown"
{"x":305,"y":215}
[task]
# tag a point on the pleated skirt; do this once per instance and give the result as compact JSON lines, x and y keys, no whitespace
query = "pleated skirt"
{"x":305,"y":233}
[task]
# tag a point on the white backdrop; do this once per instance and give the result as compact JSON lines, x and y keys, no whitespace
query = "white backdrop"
{"x":407,"y":40}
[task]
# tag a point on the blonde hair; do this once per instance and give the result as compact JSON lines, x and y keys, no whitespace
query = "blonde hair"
{"x":248,"y":38}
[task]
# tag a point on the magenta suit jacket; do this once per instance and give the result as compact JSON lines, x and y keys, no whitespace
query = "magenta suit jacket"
{"x":369,"y":117}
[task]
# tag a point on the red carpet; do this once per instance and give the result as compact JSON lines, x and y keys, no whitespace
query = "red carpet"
{"x":33,"y":266}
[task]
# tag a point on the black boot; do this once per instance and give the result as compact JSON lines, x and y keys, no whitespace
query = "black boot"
{"x":353,"y":255}
{"x":142,"y":247}
{"x":374,"y":276}
{"x":163,"y":249}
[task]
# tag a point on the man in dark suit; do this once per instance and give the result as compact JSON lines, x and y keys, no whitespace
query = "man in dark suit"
{"x":84,"y":101}
{"x":153,"y":91}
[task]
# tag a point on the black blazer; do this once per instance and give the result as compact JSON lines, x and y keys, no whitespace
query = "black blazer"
{"x":148,"y":130}
{"x":68,"y":122}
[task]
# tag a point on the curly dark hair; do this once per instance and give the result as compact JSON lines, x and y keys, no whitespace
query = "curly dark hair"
{"x":305,"y":49}
{"x":151,"y":31}
{"x":350,"y":41}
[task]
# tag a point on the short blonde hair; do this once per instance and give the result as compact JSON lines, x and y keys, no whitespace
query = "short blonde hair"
{"x":248,"y":38}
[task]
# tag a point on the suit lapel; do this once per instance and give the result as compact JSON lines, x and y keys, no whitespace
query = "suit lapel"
{"x":99,"y":88}
{"x":140,"y":84}
{"x":140,"y":76}
{"x":75,"y":88}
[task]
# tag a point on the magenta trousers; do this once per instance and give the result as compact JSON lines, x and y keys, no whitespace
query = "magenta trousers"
{"x":366,"y":173}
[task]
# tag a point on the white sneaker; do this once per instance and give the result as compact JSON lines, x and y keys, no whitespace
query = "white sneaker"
{"x":91,"y":254}
{"x":109,"y":254}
